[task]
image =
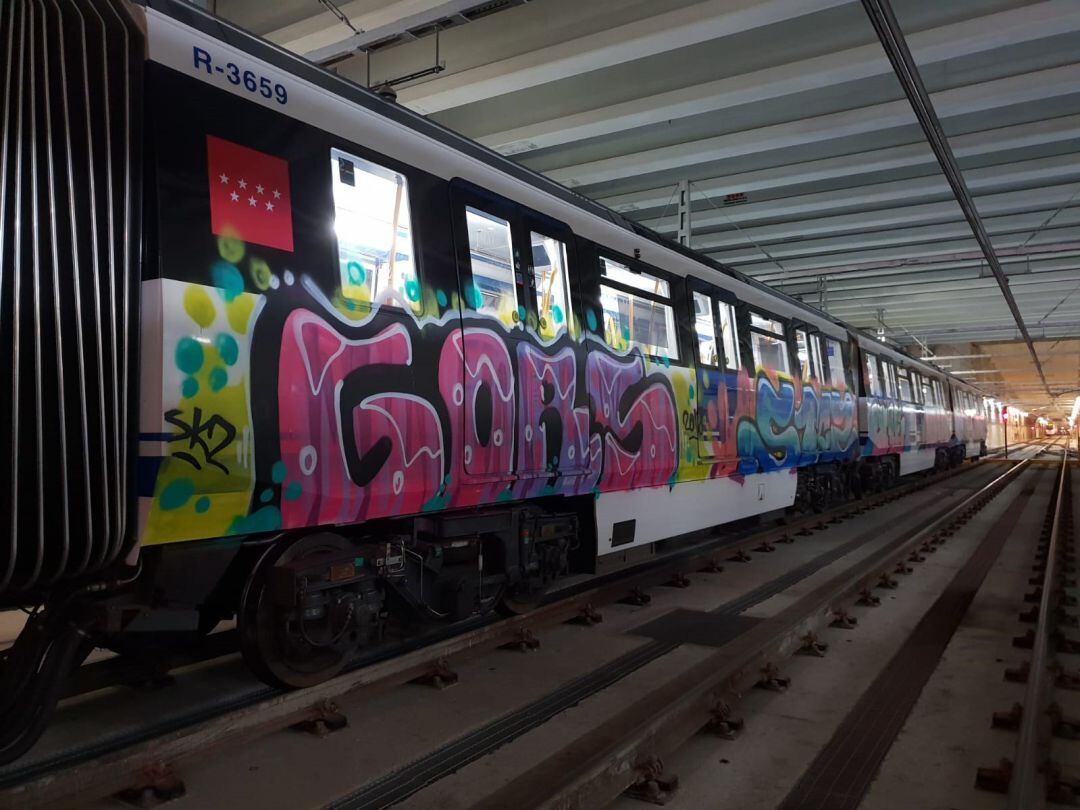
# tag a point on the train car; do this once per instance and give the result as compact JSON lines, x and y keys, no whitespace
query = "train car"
{"x":284,"y":351}
{"x":969,"y":420}
{"x":906,"y":414}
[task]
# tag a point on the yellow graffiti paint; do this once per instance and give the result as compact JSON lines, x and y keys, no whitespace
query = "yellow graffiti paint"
{"x":239,"y":310}
{"x":198,"y":306}
{"x":260,"y":272}
{"x":230,"y":249}
{"x":203,"y":501}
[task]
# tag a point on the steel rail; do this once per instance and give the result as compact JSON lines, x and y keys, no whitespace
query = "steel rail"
{"x":1027,"y":787}
{"x":907,"y":73}
{"x":119,"y":768}
{"x":595,"y":768}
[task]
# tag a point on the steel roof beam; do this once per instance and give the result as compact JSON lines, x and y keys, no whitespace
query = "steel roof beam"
{"x":1012,"y":211}
{"x":839,"y":262}
{"x":861,"y":121}
{"x":660,"y":33}
{"x":889,"y":203}
{"x":892,"y":40}
{"x":1064,"y":129}
{"x":1024,"y":223}
{"x":947,"y":42}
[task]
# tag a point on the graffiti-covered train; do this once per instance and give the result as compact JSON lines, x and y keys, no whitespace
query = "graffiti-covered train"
{"x":284,"y":351}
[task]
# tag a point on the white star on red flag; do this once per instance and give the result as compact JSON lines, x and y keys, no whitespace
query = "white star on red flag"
{"x":229,"y":167}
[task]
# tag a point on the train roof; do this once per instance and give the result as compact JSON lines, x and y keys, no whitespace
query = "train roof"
{"x":295,"y":65}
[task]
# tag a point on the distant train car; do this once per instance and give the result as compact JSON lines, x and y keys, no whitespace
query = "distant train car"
{"x":285,"y":351}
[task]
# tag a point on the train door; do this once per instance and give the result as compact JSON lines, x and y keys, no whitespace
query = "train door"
{"x":476,"y":369}
{"x":553,"y":415}
{"x":712,"y":313}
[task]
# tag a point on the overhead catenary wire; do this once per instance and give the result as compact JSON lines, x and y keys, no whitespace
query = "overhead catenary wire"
{"x":895,"y":46}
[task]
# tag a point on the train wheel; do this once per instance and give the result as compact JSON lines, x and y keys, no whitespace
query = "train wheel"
{"x":291,"y":646}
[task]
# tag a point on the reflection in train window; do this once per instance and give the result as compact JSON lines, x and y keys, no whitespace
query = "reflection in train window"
{"x":636,"y":320}
{"x":873,"y":383}
{"x":727,"y":332}
{"x":904,"y":382}
{"x":768,"y":344}
{"x":491,"y":256}
{"x":705,"y":330}
{"x":552,"y":288}
{"x":374,"y":233}
{"x":835,"y":361}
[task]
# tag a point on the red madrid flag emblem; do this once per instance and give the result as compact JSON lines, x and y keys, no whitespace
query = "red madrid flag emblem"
{"x":249,"y":194}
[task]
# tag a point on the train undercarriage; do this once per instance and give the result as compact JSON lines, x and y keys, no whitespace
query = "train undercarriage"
{"x":306,"y":605}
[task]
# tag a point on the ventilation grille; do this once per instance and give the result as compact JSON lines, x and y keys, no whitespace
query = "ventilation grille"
{"x":69,"y":269}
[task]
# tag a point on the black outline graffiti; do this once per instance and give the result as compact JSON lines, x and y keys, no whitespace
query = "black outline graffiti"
{"x":194,"y":432}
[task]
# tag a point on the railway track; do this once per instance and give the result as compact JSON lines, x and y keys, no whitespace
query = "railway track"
{"x":152,"y":759}
{"x":1037,"y":774}
{"x":106,"y":767}
{"x":623,"y":752}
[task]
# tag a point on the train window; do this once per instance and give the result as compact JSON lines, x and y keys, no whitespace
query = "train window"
{"x":904,"y":382}
{"x":928,"y":394}
{"x":888,"y":376}
{"x":705,"y":330}
{"x":374,"y":233}
{"x":834,"y":358}
{"x":727,"y":333}
{"x":768,"y":344}
{"x":647,"y":322}
{"x":819,"y":367}
{"x":640,"y":281}
{"x":552,"y":288}
{"x":491,"y":257}
{"x":808,"y":349}
{"x":873,"y":382}
{"x":802,"y":351}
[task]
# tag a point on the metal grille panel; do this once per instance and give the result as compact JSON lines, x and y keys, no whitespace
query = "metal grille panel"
{"x":69,"y":269}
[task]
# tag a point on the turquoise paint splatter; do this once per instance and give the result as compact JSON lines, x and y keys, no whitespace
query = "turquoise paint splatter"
{"x":278,"y":472}
{"x":189,"y":387}
{"x":189,"y":355}
{"x":665,"y":360}
{"x":202,"y":505}
{"x":691,"y":392}
{"x":440,"y":296}
{"x":356,"y":273}
{"x":412,"y":290}
{"x":227,"y":279}
{"x":590,"y":319}
{"x":265,"y":519}
{"x":266,"y":495}
{"x":473,"y":297}
{"x":176,"y":494}
{"x":557,"y":314}
{"x":219,"y":378}
{"x":227,"y":348}
{"x":293,"y":491}
{"x":521,"y":313}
